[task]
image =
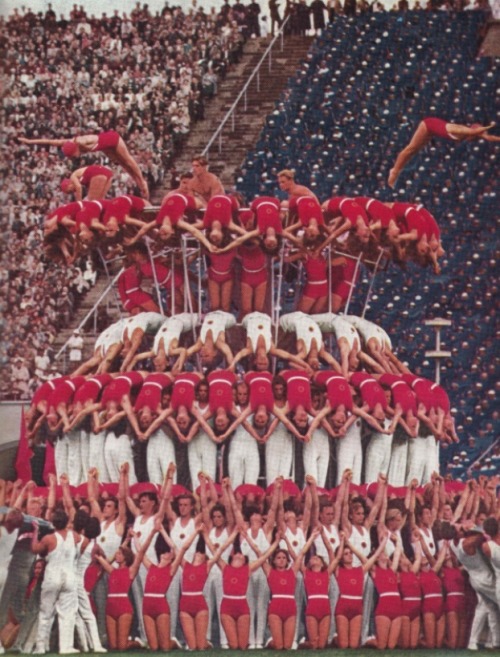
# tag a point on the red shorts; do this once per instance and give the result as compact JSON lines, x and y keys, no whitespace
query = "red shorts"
{"x":63,"y":394}
{"x":234,"y":608}
{"x":173,"y":208}
{"x":433,"y":606}
{"x":154,"y":606}
{"x":455,"y":602}
{"x":117,"y":606}
{"x":318,"y":608}
{"x":118,"y":209}
{"x":193,"y":604}
{"x":377,"y":211}
{"x":284,"y":608}
{"x":107,"y":140}
{"x":136,"y":300}
{"x":220,"y":276}
{"x":389,"y":606}
{"x":316,"y":290}
{"x":437,"y":127}
{"x":349,"y":608}
{"x":411,"y":608}
{"x":343,"y":279}
{"x":254,"y":278}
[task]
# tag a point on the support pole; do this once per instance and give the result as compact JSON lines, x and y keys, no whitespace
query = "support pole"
{"x":155,"y":278}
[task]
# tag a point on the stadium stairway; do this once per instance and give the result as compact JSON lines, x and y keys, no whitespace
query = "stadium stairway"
{"x":248,"y":123}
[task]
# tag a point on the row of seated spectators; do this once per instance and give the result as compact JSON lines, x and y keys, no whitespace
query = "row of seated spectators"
{"x":81,"y":73}
{"x":348,"y":118}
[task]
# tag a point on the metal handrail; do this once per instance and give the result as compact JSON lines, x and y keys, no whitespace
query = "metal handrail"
{"x":256,"y":72}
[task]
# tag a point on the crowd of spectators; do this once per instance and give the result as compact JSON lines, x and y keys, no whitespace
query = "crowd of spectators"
{"x":146,"y":76}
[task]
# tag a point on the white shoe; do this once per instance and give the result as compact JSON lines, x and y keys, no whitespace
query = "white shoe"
{"x":176,"y":642}
{"x":100,"y":649}
{"x":295,"y":645}
{"x":258,"y":646}
{"x":472,"y":646}
{"x":69,"y":651}
{"x":224,"y":646}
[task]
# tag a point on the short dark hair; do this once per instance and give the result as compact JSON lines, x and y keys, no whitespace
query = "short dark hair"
{"x":60,"y":519}
{"x":93,"y":528}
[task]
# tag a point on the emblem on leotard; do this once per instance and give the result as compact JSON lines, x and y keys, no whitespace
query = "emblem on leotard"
{"x":219,"y":393}
{"x":216,"y":545}
{"x":341,"y":386}
{"x":317,"y":582}
{"x":353,"y":581}
{"x":295,"y":543}
{"x":234,"y":580}
{"x":182,"y":536}
{"x":102,"y":539}
{"x":262,"y":389}
{"x":363,"y":544}
{"x":192,"y":577}
{"x":332,"y":540}
{"x":148,"y":392}
{"x":283,"y":581}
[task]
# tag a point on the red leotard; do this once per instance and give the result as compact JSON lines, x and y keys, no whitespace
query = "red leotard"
{"x":401,"y":392}
{"x":316,"y":585}
{"x":316,"y":277}
{"x":282,"y":586}
{"x":298,"y":390}
{"x":106,"y":141}
{"x":411,"y":594}
{"x":221,"y":269}
{"x":220,"y":390}
{"x":437,"y":127}
{"x":65,"y":390}
{"x":183,"y":393}
{"x":129,"y":289}
{"x":307,"y":208}
{"x":253,"y":265}
{"x":432,"y":589}
{"x":175,"y":207}
{"x":158,"y":580}
{"x":193,"y":581}
{"x":369,"y":388}
{"x":431,"y":226}
{"x":123,"y":206}
{"x":45,"y":391}
{"x":120,"y":387}
{"x":337,"y":389}
{"x":347,"y":208}
{"x":267,"y":211}
{"x":94,"y":170}
{"x":118,"y":602}
{"x":220,"y":208}
{"x":163,"y":275}
{"x":152,"y":390}
{"x":92,"y":388}
{"x":454,"y":586}
{"x":261,"y":390}
{"x":344,"y":277}
{"x":69,"y":210}
{"x":234,"y":587}
{"x":409,"y":218}
{"x":376,"y":210}
{"x":350,"y":602}
{"x":389,"y":603}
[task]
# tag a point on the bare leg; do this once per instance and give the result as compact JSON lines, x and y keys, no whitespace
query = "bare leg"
{"x":98,"y":188}
{"x":201,"y":627}
{"x":259,"y":298}
{"x":163,"y":632}
{"x":394,"y":633}
{"x":214,"y":295}
{"x":313,"y":631}
{"x":243,"y":631}
{"x":420,"y":138}
{"x":151,"y":634}
{"x":188,"y":627}
{"x":122,"y":155}
{"x":276,"y":628}
{"x":342,"y":632}
{"x":355,"y":632}
{"x":465,"y":131}
{"x":226,"y":291}
{"x":324,"y":629}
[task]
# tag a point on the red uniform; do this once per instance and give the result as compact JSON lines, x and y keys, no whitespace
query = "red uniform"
{"x":369,"y":388}
{"x":317,"y":279}
{"x":92,"y":388}
{"x":221,"y":269}
{"x":432,"y":589}
{"x":376,"y":210}
{"x":118,"y":602}
{"x":437,"y":128}
{"x":432,"y":228}
{"x":347,"y":208}
{"x":129,"y":289}
{"x":163,"y":274}
{"x":220,"y":390}
{"x":316,"y":585}
{"x":431,"y":395}
{"x":44,"y":392}
{"x":193,"y":581}
{"x":401,"y":392}
{"x":65,"y":390}
{"x":282,"y":587}
{"x":454,"y":586}
{"x":411,"y":594}
{"x":409,"y":218}
{"x":106,"y":141}
{"x":253,"y":265}
{"x":389,"y":603}
{"x":298,"y":389}
{"x":175,"y":207}
{"x":91,"y":210}
{"x":69,"y":210}
{"x":337,"y":389}
{"x":120,"y":387}
{"x":158,"y":580}
{"x":261,"y":390}
{"x":220,"y":208}
{"x":234,"y":587}
{"x":306,"y":208}
{"x":92,"y":171}
{"x":350,"y":602}
{"x":344,"y":277}
{"x":183,"y":392}
{"x":152,"y":390}
{"x":267,"y":212}
{"x":123,"y":206}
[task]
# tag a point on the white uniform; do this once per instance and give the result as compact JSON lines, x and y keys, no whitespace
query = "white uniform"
{"x":118,"y":450}
{"x":279,"y":454}
{"x":243,"y":461}
{"x":86,"y":623}
{"x":305,"y":328}
{"x":332,"y":323}
{"x":350,"y":453}
{"x":148,"y":322}
{"x":171,"y":329}
{"x":332,"y":536}
{"x":160,"y":453}
{"x":258,"y":325}
{"x":112,"y":335}
{"x":202,"y":456}
{"x":369,"y":330}
{"x":7,"y":542}
{"x":143,"y":526}
{"x":378,"y":454}
{"x":109,"y":540}
{"x":399,"y":459}
{"x":428,"y":537}
{"x":216,"y":322}
{"x":96,"y":455}
{"x":495,"y":562}
{"x":316,"y":456}
{"x":360,"y":538}
{"x":213,"y":586}
{"x":67,"y":455}
{"x":258,"y":589}
{"x":59,"y":593}
{"x":418,"y":458}
{"x":179,"y":533}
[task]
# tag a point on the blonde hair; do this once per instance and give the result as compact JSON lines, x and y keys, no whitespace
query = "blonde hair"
{"x":288,"y":173}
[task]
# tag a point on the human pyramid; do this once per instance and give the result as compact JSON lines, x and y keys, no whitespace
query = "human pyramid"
{"x":254,"y":565}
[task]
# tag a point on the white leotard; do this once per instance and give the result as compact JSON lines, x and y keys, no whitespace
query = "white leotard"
{"x":305,"y":328}
{"x":217,"y":322}
{"x":256,"y":325}
{"x":171,"y":329}
{"x":332,"y":323}
{"x":362,"y":542}
{"x":144,"y":527}
{"x":148,"y":322}
{"x":260,"y":541}
{"x":332,"y":535}
{"x":369,"y":330}
{"x":109,"y":540}
{"x":112,"y":335}
{"x":179,"y":535}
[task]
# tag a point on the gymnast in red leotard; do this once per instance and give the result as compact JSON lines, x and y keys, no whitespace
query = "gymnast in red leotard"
{"x":314,"y":296}
{"x":96,"y":178}
{"x":433,"y":127}
{"x":110,"y":143}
